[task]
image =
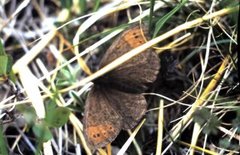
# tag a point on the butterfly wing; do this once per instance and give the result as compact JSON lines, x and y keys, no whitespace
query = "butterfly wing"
{"x":107,"y":111}
{"x":131,"y":107}
{"x":137,"y":72}
{"x":101,"y":122}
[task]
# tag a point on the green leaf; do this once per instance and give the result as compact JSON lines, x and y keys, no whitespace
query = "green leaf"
{"x":3,"y":65}
{"x":83,"y":5}
{"x":228,"y":143}
{"x":66,"y":4}
{"x":3,"y":147}
{"x":236,"y":121}
{"x":201,"y":116}
{"x":29,"y":113}
{"x":56,"y":116}
{"x":152,"y":3}
{"x":224,"y":143}
{"x":65,"y":78}
{"x":211,"y":126}
{"x":96,"y":6}
{"x":42,"y":132}
{"x":66,"y":73}
{"x":2,"y":51}
{"x":6,"y":63}
{"x":205,"y":118}
{"x":4,"y":58}
{"x":80,"y":100}
{"x":63,"y":83}
{"x":12,"y":76}
{"x":9,"y":64}
{"x":50,"y":107}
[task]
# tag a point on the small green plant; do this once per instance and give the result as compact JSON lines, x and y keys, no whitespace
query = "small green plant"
{"x":205,"y":118}
{"x":3,"y":147}
{"x":5,"y":65}
{"x":55,"y":117}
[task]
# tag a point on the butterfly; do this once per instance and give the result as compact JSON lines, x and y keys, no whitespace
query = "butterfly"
{"x":116,"y":102}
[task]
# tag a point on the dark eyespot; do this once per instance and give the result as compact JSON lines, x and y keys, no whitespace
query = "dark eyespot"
{"x":98,"y":135}
{"x":136,"y":37}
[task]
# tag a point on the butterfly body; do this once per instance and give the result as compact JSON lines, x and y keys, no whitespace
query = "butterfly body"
{"x":116,"y":102}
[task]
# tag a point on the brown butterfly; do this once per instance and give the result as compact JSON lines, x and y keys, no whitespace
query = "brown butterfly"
{"x":116,"y":102}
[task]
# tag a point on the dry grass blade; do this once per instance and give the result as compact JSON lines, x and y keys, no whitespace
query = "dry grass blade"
{"x":31,"y":86}
{"x":199,"y":148}
{"x":130,"y":139}
{"x":27,"y":58}
{"x":78,"y":127}
{"x":160,"y":128}
{"x":187,"y":117}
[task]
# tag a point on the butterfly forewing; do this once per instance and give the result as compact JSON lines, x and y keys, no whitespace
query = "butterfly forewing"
{"x":133,"y":75}
{"x":125,"y":42}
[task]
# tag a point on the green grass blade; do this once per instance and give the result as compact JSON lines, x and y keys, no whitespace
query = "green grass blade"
{"x":165,"y":18}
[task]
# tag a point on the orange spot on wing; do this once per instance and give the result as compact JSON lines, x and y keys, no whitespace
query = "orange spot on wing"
{"x":100,"y":134}
{"x":134,"y":38}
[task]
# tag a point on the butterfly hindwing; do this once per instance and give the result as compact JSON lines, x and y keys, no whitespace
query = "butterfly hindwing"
{"x":131,"y":107}
{"x":101,"y":122}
